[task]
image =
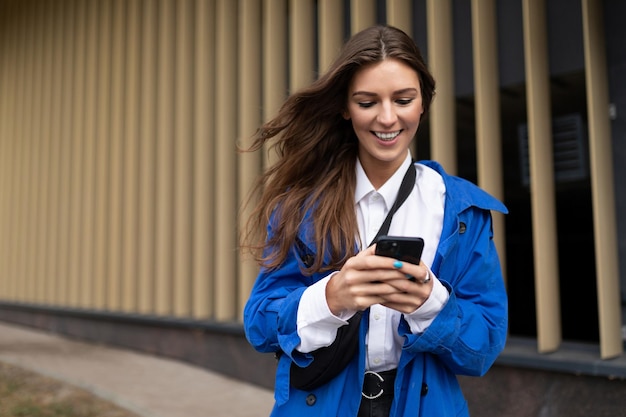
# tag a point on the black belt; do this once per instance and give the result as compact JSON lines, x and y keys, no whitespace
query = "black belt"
{"x":376,"y":384}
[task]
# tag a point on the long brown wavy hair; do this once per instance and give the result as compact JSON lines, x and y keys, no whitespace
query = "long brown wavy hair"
{"x":317,"y":151}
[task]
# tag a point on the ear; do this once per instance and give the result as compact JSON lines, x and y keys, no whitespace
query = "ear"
{"x":345,"y":114}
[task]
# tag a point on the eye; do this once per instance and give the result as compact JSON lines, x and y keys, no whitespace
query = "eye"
{"x":404,"y":101}
{"x":366,"y":104}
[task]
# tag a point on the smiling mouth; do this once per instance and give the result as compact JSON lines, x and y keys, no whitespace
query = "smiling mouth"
{"x":387,"y":136}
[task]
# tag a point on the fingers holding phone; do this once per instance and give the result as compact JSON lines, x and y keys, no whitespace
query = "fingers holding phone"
{"x":406,"y":252}
{"x":357,"y":285}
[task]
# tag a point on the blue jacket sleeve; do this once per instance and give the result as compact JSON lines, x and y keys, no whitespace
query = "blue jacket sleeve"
{"x":270,"y":313}
{"x":470,"y":331}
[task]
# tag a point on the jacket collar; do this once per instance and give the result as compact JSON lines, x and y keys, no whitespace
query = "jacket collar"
{"x":462,"y":194}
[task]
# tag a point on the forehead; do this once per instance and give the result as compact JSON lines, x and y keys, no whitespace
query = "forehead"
{"x":390,"y":73}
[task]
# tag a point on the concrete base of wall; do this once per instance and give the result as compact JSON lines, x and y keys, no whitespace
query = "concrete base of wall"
{"x":221,"y":347}
{"x":515,"y":392}
{"x":505,"y":390}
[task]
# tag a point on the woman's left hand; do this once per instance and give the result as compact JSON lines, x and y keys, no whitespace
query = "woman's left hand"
{"x":413,"y":284}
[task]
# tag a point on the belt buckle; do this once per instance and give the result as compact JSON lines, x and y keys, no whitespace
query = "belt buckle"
{"x":378,"y":383}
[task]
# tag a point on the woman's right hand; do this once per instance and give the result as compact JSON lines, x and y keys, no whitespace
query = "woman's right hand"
{"x":361,"y":282}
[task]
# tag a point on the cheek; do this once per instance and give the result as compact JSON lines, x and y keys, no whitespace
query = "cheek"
{"x":414,"y":117}
{"x":359,"y":121}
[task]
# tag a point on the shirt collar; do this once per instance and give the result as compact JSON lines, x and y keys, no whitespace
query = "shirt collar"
{"x":389,"y":190}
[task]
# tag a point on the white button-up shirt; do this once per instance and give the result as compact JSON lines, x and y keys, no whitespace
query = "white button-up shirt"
{"x":420,"y":215}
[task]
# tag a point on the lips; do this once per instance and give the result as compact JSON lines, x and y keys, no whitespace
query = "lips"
{"x":387,"y":136}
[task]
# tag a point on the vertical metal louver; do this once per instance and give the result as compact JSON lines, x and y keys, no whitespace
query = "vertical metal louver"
{"x":569,"y":150}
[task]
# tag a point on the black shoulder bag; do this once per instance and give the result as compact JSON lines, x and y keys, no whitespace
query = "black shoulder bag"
{"x":330,"y":360}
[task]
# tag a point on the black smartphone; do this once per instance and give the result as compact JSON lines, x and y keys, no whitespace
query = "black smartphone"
{"x":407,"y":249}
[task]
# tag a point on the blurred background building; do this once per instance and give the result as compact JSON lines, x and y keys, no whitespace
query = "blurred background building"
{"x":121,"y":187}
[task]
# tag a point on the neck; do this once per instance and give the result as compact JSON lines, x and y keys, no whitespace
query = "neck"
{"x":379,"y":172}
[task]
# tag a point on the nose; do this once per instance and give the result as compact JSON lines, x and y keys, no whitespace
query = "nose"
{"x":387,"y":115}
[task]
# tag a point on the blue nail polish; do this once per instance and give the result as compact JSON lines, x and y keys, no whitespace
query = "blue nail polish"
{"x":397,"y":264}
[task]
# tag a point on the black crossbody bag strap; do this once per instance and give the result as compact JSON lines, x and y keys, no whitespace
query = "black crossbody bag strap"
{"x":329,"y":361}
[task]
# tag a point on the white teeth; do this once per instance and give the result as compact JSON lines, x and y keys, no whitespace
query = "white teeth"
{"x":387,"y":136}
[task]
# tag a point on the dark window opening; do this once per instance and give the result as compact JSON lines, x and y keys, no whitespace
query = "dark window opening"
{"x":575,"y":240}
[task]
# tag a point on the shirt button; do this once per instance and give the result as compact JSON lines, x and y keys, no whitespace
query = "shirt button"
{"x":424,"y":389}
{"x":377,"y":361}
{"x":376,"y":316}
{"x":311,"y":399}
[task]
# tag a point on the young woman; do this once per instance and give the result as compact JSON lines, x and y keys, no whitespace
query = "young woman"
{"x":343,"y":146}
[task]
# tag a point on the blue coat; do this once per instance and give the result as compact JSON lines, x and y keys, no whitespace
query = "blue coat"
{"x":464,"y":339}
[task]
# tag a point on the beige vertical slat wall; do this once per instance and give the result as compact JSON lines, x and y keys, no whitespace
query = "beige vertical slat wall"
{"x":226,"y":116}
{"x":330,"y":31}
{"x":301,"y":41}
{"x":86,"y":216}
{"x":21,"y":128}
{"x":601,"y":158}
{"x":362,"y":14}
{"x":203,"y":228}
{"x":130,"y":157}
{"x":441,"y":62}
{"x":183,"y":128}
{"x":249,"y":119}
{"x":76,"y":148}
{"x":15,"y":92}
{"x":146,"y":149}
{"x":6,"y":105}
{"x":543,"y":198}
{"x":41,"y":117}
{"x":487,"y":99}
{"x":118,"y":119}
{"x":400,"y":14}
{"x":101,"y":160}
{"x":275,"y":80}
{"x":120,"y":184}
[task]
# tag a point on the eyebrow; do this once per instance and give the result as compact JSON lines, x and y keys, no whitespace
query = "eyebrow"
{"x":402,"y":91}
